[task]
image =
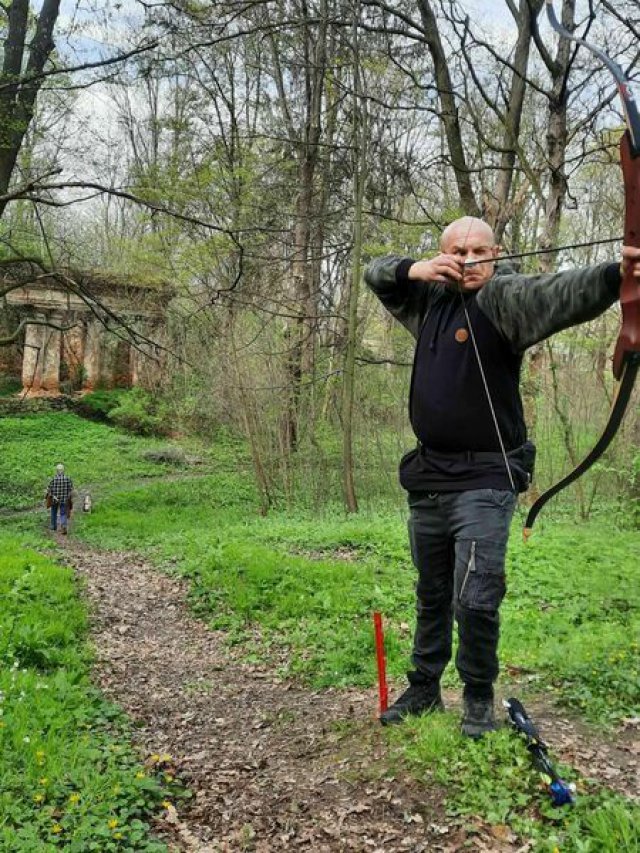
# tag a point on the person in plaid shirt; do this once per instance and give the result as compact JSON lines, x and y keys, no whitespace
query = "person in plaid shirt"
{"x":58,"y":496}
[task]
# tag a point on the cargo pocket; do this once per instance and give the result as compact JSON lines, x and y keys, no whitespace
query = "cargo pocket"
{"x":480,"y":577}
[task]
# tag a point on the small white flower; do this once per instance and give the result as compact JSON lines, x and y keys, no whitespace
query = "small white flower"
{"x":26,"y":739}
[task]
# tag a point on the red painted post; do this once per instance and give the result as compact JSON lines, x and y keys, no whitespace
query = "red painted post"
{"x":382,"y":675}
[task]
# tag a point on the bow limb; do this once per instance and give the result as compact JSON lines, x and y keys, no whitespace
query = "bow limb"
{"x":623,"y":395}
{"x":626,"y":360}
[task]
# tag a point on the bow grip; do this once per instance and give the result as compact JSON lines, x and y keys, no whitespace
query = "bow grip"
{"x":629,"y":337}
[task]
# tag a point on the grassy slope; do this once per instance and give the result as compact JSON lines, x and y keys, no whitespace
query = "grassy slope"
{"x":32,"y":446}
{"x":306,"y":587}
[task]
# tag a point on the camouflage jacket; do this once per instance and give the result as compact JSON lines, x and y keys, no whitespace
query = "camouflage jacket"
{"x":525,"y":309}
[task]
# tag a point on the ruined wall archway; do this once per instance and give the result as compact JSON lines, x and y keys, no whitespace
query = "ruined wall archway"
{"x":87,"y":331}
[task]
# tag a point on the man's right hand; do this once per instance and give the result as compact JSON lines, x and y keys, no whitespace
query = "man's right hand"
{"x":444,"y":268}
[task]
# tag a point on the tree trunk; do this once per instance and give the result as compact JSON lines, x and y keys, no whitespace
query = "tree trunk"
{"x":18,"y":99}
{"x":449,"y":114}
{"x":359,"y":141}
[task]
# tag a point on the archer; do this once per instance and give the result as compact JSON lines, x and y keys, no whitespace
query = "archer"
{"x":472,"y":319}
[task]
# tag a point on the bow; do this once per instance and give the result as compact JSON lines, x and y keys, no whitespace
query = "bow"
{"x":626,"y":359}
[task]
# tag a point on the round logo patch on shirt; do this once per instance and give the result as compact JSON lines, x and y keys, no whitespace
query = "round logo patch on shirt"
{"x":461,"y":335}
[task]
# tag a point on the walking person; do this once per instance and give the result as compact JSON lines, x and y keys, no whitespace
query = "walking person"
{"x":59,"y":498}
{"x":472,"y":323}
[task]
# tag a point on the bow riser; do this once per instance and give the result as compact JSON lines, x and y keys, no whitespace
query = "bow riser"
{"x":630,"y":96}
{"x":629,"y":338}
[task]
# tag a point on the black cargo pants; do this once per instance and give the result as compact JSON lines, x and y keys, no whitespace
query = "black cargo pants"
{"x":458,"y":544}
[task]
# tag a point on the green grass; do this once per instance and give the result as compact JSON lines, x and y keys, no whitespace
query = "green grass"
{"x":572,"y":615}
{"x":297,"y":590}
{"x":95,"y":455}
{"x":494,"y":779}
{"x":69,"y":777}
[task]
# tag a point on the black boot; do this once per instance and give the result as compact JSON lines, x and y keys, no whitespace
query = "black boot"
{"x":421,"y":697}
{"x":479,"y":716}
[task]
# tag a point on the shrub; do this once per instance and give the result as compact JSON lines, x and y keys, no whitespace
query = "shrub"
{"x":99,"y":404}
{"x":9,"y":385}
{"x":139,"y":412}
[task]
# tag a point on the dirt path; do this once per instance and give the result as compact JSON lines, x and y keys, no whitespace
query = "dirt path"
{"x":273,"y":766}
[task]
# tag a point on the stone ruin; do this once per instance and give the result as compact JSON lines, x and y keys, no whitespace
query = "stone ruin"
{"x":93,"y":346}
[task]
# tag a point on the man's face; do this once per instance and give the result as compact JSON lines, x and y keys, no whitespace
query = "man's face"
{"x":472,"y":244}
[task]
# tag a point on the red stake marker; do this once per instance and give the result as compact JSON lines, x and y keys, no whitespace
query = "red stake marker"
{"x":382,"y":674}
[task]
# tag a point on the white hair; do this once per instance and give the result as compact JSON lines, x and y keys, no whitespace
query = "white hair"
{"x":60,"y":468}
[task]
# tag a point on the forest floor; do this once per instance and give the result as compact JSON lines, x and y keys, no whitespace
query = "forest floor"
{"x":273,"y":765}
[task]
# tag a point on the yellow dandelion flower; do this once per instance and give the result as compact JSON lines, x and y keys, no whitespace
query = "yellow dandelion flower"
{"x":43,"y":780}
{"x":74,"y":798}
{"x":165,"y":804}
{"x":38,"y":798}
{"x":168,"y":777}
{"x":117,"y":835}
{"x":40,"y":754}
{"x":56,"y":828}
{"x":165,"y":757}
{"x":155,"y":758}
{"x":140,"y":775}
{"x":112,"y":823}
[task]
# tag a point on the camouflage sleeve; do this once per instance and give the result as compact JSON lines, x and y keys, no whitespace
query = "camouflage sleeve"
{"x":406,"y":300}
{"x":529,"y":308}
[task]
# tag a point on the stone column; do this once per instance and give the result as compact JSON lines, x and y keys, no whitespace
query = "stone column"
{"x":33,"y":357}
{"x":137,"y":359}
{"x":51,"y":361}
{"x":73,"y":350}
{"x":108,"y":358}
{"x":91,"y":361}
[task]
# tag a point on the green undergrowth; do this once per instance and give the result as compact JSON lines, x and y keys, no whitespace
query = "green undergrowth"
{"x":70,"y":779}
{"x":571,"y":618}
{"x":494,"y":779}
{"x":96,"y":456}
{"x":297,"y":590}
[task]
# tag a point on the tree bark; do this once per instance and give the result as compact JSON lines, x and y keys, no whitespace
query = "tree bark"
{"x":17,"y":100}
{"x":359,"y":140}
{"x":449,"y":114}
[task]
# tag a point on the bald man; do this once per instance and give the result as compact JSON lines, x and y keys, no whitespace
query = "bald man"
{"x":472,"y":456}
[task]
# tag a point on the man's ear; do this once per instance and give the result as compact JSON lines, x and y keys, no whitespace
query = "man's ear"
{"x":497,"y":250}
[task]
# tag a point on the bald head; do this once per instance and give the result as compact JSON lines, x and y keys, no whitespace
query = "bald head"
{"x":465,"y":229}
{"x":471,"y":242}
